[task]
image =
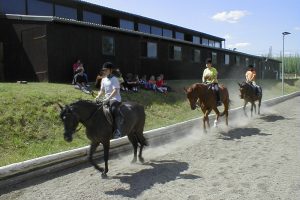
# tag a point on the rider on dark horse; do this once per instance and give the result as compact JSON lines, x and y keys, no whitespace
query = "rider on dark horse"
{"x":110,"y":87}
{"x":210,"y":75}
{"x":250,"y":79}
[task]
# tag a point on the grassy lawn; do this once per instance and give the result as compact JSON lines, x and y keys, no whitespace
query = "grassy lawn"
{"x":29,"y":116}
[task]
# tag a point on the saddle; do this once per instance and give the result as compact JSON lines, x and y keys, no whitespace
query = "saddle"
{"x":256,"y":88}
{"x":212,"y":86}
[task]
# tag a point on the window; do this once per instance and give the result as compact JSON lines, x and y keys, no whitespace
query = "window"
{"x":196,"y":56}
{"x":37,"y":7}
{"x":108,"y":45}
{"x":126,"y":24}
{"x":196,"y":39}
{"x":149,"y":49}
{"x":247,"y":61}
{"x":175,"y":52}
{"x":92,"y":17}
{"x":179,"y":36}
{"x":13,"y":7}
{"x":237,"y":60}
{"x":167,"y":33}
{"x":144,"y":28}
{"x":214,"y":58}
{"x":226,"y":59}
{"x":205,"y":41}
{"x":211,"y":43}
{"x":156,"y":30}
{"x":218,"y":44}
{"x":65,"y":12}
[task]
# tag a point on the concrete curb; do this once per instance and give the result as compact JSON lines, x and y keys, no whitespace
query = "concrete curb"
{"x":18,"y":172}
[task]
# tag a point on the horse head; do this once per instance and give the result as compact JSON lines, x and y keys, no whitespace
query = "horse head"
{"x":245,"y":89}
{"x":70,"y":120}
{"x":191,"y":96}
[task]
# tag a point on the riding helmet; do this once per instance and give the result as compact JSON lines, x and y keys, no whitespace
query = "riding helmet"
{"x":107,"y":65}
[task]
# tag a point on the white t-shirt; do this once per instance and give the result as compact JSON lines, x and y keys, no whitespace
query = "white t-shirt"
{"x":108,"y":84}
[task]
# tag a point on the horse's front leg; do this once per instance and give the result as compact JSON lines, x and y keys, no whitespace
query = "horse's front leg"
{"x":252,"y":106}
{"x":217,"y":117}
{"x":141,"y":159}
{"x":259,"y":103}
{"x":244,"y":108}
{"x":106,"y":156}
{"x":93,"y":148}
{"x":206,"y":119}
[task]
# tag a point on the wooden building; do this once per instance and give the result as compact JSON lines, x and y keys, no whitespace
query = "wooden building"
{"x":41,"y":39}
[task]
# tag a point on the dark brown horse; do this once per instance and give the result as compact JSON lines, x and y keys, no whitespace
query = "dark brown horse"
{"x":249,"y":94}
{"x":99,"y":130}
{"x":200,"y":94}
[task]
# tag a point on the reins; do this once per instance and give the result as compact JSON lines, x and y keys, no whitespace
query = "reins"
{"x":90,"y":117}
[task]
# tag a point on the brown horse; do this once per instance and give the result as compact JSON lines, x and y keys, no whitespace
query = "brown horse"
{"x":249,"y":94}
{"x":200,"y":94}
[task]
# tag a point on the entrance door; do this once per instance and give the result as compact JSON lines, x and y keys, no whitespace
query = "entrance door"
{"x":35,"y":47}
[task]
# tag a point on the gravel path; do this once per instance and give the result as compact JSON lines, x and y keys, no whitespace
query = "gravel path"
{"x":256,"y":158}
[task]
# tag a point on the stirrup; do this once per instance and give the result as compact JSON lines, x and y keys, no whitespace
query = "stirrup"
{"x":117,"y":134}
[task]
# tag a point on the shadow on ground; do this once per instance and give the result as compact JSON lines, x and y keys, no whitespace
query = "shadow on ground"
{"x":238,"y":133}
{"x":160,"y":172}
{"x":272,"y":118}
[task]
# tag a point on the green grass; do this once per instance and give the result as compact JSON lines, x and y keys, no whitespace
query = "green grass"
{"x":29,"y":116}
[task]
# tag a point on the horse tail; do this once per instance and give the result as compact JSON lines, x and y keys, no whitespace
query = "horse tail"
{"x":226,"y":103}
{"x":142,"y":140}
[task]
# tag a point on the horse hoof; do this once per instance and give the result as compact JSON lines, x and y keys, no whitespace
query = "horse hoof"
{"x":104,"y":175}
{"x":141,"y":159}
{"x":134,"y":160}
{"x":215,"y":124}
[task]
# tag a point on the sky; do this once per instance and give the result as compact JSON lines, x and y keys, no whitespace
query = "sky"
{"x":250,"y":26}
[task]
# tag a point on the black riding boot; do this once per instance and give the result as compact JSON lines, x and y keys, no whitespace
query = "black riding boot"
{"x":115,"y":109}
{"x":216,"y":87}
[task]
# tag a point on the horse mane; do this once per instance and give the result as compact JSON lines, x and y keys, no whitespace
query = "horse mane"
{"x":197,"y":87}
{"x":84,"y":102}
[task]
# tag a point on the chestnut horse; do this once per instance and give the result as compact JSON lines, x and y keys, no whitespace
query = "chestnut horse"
{"x":200,"y":94}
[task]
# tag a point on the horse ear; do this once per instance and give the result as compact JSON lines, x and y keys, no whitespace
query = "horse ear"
{"x":239,"y":84}
{"x":60,"y":106}
{"x":185,"y":90}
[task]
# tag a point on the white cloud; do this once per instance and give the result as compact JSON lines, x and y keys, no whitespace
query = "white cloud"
{"x":238,"y":45}
{"x":230,"y":16}
{"x":297,"y":28}
{"x":227,"y":36}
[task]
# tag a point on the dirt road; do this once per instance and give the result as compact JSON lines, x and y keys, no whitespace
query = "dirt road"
{"x":256,"y":158}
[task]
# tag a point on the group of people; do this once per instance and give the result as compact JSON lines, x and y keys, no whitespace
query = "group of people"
{"x":111,"y":82}
{"x":132,"y":82}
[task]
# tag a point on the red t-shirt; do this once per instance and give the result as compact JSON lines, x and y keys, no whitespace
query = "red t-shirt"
{"x":75,"y":66}
{"x":160,"y":83}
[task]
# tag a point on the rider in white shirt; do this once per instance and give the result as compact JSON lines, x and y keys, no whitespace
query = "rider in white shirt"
{"x":110,"y":87}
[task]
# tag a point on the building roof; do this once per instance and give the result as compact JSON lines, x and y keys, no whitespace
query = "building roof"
{"x":111,"y":28}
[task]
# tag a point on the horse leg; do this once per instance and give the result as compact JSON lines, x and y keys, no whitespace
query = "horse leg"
{"x":142,"y":140}
{"x":254,"y":105}
{"x":244,"y":108}
{"x":106,"y":156}
{"x":93,"y":148}
{"x":204,"y":126}
{"x":141,"y":159}
{"x":259,"y":103}
{"x":134,"y":143}
{"x":217,"y":117}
